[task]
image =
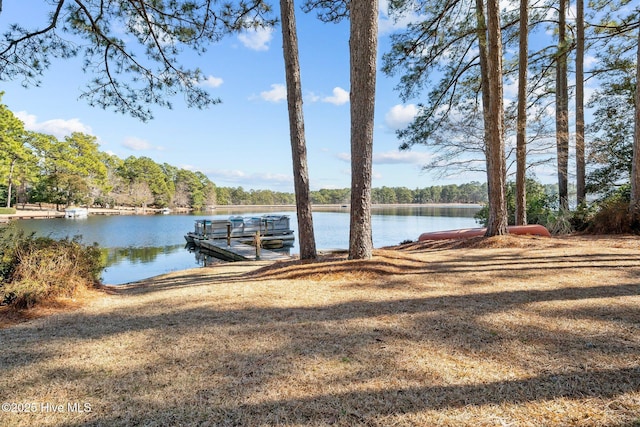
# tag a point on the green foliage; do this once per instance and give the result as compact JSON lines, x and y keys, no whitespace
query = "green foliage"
{"x":136,"y":171}
{"x":239,"y":196}
{"x":75,"y":171}
{"x":13,"y":149}
{"x":610,"y":148}
{"x":35,"y":269}
{"x":473,"y":192}
{"x":540,"y":205}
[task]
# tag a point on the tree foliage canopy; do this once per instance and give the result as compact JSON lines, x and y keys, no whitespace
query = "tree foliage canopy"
{"x":129,"y":47}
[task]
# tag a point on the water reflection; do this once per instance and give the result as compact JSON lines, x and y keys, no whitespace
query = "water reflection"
{"x":206,"y":258}
{"x":460,"y":211}
{"x":137,"y":255}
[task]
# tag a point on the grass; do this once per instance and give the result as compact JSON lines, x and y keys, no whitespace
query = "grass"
{"x":512,"y":331}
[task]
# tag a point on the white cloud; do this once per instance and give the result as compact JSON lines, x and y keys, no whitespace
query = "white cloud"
{"x":393,"y":157}
{"x":311,"y":97}
{"x":345,"y":157}
{"x":401,"y":157}
{"x":274,"y":177}
{"x":388,"y":24}
{"x":590,"y":61}
{"x":510,"y":89}
{"x":256,"y":39}
{"x":400,"y":116}
{"x":339,"y":97}
{"x":138,"y":144}
{"x":277,"y":93}
{"x":56,"y":127}
{"x":212,"y":81}
{"x":252,"y":180}
{"x":227,"y":174}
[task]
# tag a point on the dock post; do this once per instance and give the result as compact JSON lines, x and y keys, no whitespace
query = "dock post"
{"x":258,"y":245}
{"x":229,"y":234}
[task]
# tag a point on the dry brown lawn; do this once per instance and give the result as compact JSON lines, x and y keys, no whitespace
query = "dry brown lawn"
{"x":512,"y":331}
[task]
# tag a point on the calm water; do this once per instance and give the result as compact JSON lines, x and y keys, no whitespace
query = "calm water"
{"x":137,"y":247}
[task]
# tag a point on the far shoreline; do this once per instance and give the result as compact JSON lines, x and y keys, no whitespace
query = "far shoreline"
{"x":49,"y":212}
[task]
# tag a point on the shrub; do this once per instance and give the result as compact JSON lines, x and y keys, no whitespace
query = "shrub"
{"x":582,"y":217}
{"x":560,"y":222}
{"x":9,"y":242}
{"x":609,"y":215}
{"x":539,"y":205}
{"x":37,"y":269}
{"x":612,"y":218}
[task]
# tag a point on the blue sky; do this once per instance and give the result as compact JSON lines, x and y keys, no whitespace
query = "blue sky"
{"x":244,"y":141}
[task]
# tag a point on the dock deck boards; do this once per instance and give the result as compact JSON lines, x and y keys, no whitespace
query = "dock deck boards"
{"x":240,"y":251}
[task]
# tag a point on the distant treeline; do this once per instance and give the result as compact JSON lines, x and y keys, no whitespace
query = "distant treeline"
{"x":473,"y":192}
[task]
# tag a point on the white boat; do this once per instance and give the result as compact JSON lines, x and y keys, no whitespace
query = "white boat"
{"x":76,"y":213}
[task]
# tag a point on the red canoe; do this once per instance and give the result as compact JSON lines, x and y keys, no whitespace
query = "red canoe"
{"x":533,"y":230}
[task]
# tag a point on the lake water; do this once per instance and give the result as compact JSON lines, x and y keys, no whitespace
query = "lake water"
{"x":138,"y":247}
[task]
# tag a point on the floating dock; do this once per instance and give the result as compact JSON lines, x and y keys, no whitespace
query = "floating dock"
{"x":270,"y":227}
{"x":237,"y":251}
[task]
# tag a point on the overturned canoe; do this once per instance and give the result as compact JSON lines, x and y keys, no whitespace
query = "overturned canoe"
{"x":465,"y":233}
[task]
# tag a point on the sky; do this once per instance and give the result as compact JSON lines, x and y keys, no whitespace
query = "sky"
{"x":244,"y":141}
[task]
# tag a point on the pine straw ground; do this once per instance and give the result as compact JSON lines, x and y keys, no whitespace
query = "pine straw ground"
{"x":512,"y":331}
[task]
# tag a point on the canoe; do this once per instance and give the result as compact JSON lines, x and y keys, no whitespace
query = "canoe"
{"x":465,"y":233}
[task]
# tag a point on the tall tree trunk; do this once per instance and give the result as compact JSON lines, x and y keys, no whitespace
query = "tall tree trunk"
{"x":635,"y":166}
{"x":363,"y":45}
{"x":482,"y":45}
{"x":521,"y":138}
{"x":296,"y":129}
{"x":496,"y":171}
{"x":562,"y":108}
{"x":580,"y":160}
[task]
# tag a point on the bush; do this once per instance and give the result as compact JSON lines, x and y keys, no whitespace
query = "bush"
{"x":583,"y":215}
{"x":539,"y":205}
{"x":611,"y":218}
{"x":9,"y":242}
{"x":606,"y":216}
{"x":560,"y":222}
{"x":34,"y":270}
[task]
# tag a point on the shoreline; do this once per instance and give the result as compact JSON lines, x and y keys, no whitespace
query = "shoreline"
{"x":35,"y":212}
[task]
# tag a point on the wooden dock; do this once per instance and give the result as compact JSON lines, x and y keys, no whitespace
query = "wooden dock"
{"x":239,"y":251}
{"x":32,"y":215}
